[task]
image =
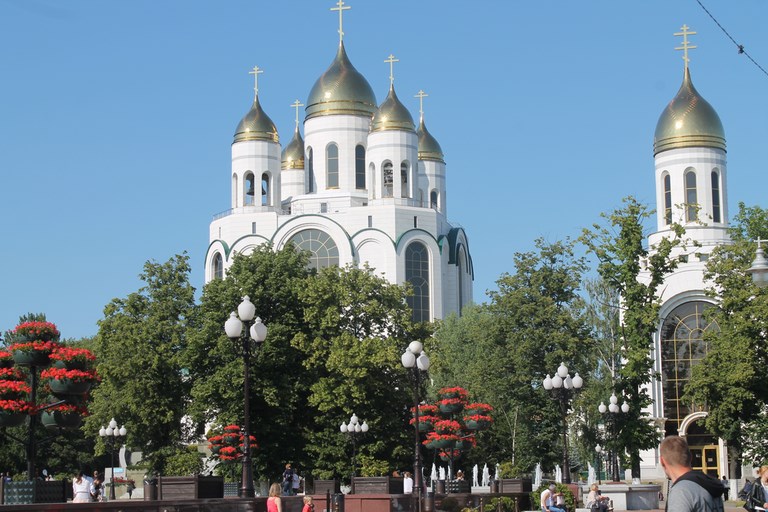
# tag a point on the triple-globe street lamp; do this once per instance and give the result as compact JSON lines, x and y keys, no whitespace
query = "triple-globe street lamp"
{"x":113,"y":437}
{"x":562,"y":387}
{"x":257,"y":332}
{"x":354,"y":429}
{"x":611,"y":415}
{"x":416,"y":359}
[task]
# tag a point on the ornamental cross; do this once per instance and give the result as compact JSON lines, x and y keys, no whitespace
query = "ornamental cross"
{"x":391,"y":61}
{"x":341,"y":8}
{"x":296,"y":104}
{"x":256,"y":71}
{"x":686,"y":44}
{"x":421,"y":97}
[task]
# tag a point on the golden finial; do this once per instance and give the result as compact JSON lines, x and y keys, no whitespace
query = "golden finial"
{"x":256,"y":71}
{"x":296,"y":104}
{"x":391,"y":61}
{"x":686,"y":44}
{"x":421,"y":97}
{"x":341,"y":8}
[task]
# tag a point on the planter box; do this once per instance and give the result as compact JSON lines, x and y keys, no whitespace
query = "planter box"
{"x":324,"y":486}
{"x":515,"y":485}
{"x":378,"y":485}
{"x":35,"y":491}
{"x":190,"y":487}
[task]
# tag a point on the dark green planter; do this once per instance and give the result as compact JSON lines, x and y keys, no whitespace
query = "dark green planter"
{"x":450,"y":408}
{"x":12,"y":419}
{"x":31,"y":358}
{"x":59,"y":419}
{"x":477,"y":425}
{"x":71,"y":365}
{"x":439,"y":444}
{"x":69,"y":387}
{"x":425,"y":426}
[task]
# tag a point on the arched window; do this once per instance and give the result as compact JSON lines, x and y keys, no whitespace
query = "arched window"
{"x":310,"y":172}
{"x":388,"y":180}
{"x":682,"y":347}
{"x":691,"y":200}
{"x":218,"y":266}
{"x":716,"y":215}
{"x":322,"y":247}
{"x":332,"y":166}
{"x":433,"y":199}
{"x":417,"y":273}
{"x":250,"y":189}
{"x":372,"y":174}
{"x":667,"y":199}
{"x":404,"y":180}
{"x":265,"y":199}
{"x":360,"y":168}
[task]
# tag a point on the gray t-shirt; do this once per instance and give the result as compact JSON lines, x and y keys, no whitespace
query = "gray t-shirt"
{"x":687,"y":496}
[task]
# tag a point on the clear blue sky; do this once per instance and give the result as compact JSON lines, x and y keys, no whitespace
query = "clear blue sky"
{"x":116,"y":119}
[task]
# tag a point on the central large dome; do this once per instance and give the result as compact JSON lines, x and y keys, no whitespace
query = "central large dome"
{"x":341,"y":90}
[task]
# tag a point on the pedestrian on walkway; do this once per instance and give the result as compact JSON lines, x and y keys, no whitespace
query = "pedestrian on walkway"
{"x":287,"y":480}
{"x":691,"y":491}
{"x":758,"y":495}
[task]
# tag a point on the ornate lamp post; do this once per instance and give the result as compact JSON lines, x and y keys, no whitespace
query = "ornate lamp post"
{"x":354,"y":429}
{"x":256,"y":331}
{"x":414,"y":358}
{"x":562,"y":387}
{"x":599,"y":452}
{"x":610,"y":413}
{"x":113,"y":437}
{"x":759,"y":268}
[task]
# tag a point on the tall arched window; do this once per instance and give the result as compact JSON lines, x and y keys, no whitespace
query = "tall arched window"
{"x":322,"y":247}
{"x":218,"y":266}
{"x":682,"y":347}
{"x":417,"y":273}
{"x":404,"y":180}
{"x":310,"y":172}
{"x":691,"y":200}
{"x":667,"y":199}
{"x":388,"y":182}
{"x":433,"y":199}
{"x":332,"y":166}
{"x":360,"y":168}
{"x":372,"y":185}
{"x":250,"y":189}
{"x":716,"y":215}
{"x":265,"y":198}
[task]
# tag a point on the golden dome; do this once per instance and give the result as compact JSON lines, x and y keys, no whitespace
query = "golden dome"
{"x":256,"y":125}
{"x":429,"y":149}
{"x":341,"y":90}
{"x":293,"y":154}
{"x":392,"y":115}
{"x":688,"y":121}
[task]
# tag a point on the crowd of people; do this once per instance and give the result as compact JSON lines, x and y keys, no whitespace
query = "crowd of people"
{"x":86,"y":489}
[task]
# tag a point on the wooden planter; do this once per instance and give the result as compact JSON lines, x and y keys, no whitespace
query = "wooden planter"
{"x":509,"y":485}
{"x":323,"y":486}
{"x":190,"y":487}
{"x":378,"y":485}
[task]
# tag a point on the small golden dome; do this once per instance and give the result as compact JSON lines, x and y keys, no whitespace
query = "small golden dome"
{"x":688,"y":121}
{"x":293,"y":154}
{"x":392,"y":115}
{"x":256,"y":125}
{"x":341,"y":90}
{"x":429,"y":149}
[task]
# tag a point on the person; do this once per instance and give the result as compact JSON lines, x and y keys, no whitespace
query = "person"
{"x":460,"y":475}
{"x":548,"y":500}
{"x":130,"y":487}
{"x":691,"y":491}
{"x":407,"y":483}
{"x":274,"y":503}
{"x":97,"y":488}
{"x":295,"y":483}
{"x":308,"y":505}
{"x":287,"y":480}
{"x":744,"y":492}
{"x":758,"y":494}
{"x":727,"y":487}
{"x":595,"y":501}
{"x":81,"y":488}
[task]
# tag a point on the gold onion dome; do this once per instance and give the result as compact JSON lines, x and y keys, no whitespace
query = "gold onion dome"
{"x":256,"y":125}
{"x":392,"y":115}
{"x":429,"y":149}
{"x":293,"y":154}
{"x":688,"y":121}
{"x":341,"y":90}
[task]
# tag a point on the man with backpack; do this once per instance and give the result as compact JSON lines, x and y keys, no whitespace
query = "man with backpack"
{"x":287,"y":480}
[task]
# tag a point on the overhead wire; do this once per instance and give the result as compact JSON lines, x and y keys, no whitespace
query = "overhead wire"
{"x":740,"y":47}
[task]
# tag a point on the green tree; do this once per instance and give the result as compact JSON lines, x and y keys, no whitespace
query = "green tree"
{"x":138,"y":349}
{"x":636,"y":273}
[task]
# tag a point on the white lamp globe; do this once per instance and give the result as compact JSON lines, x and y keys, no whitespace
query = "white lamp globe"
{"x":613,"y":408}
{"x":123,"y":431}
{"x":408,"y":359}
{"x":364,"y":427}
{"x":233,"y":326}
{"x":258,"y":331}
{"x":625,"y":407}
{"x":423,"y":362}
{"x":602,"y":408}
{"x":416,"y":347}
{"x":557,"y":381}
{"x":246,"y":310}
{"x":614,"y":400}
{"x":568,"y":382}
{"x":354,"y":419}
{"x":548,"y":382}
{"x":343,"y":428}
{"x":562,"y":370}
{"x":577,"y":381}
{"x":102,"y":431}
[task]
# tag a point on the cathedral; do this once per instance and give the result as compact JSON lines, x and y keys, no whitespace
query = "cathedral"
{"x":364,"y":185}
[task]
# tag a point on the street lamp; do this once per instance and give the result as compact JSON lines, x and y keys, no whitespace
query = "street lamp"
{"x":354,"y":429}
{"x":610,"y":413}
{"x":112,"y":437}
{"x":599,"y":452}
{"x":759,"y":268}
{"x":415,"y":359}
{"x":562,"y":387}
{"x":256,"y":331}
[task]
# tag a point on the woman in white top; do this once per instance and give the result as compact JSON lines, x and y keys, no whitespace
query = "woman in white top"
{"x":81,"y":488}
{"x":407,"y":483}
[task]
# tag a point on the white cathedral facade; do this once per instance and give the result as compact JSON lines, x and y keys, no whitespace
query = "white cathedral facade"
{"x":364,"y":185}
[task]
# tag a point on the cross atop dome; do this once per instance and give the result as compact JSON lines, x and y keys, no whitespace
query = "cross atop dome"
{"x":296,"y":104}
{"x":341,"y":8}
{"x":391,"y":61}
{"x":421,"y":95}
{"x":256,"y":71}
{"x":686,"y":44}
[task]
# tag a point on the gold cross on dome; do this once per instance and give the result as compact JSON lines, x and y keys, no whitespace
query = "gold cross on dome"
{"x":296,"y":104}
{"x":341,"y":8}
{"x":421,"y":97}
{"x":686,"y":44}
{"x":391,"y":60}
{"x":256,"y":71}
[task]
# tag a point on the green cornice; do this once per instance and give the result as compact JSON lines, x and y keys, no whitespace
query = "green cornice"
{"x":397,"y":244}
{"x":394,"y":245}
{"x":223,"y":243}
